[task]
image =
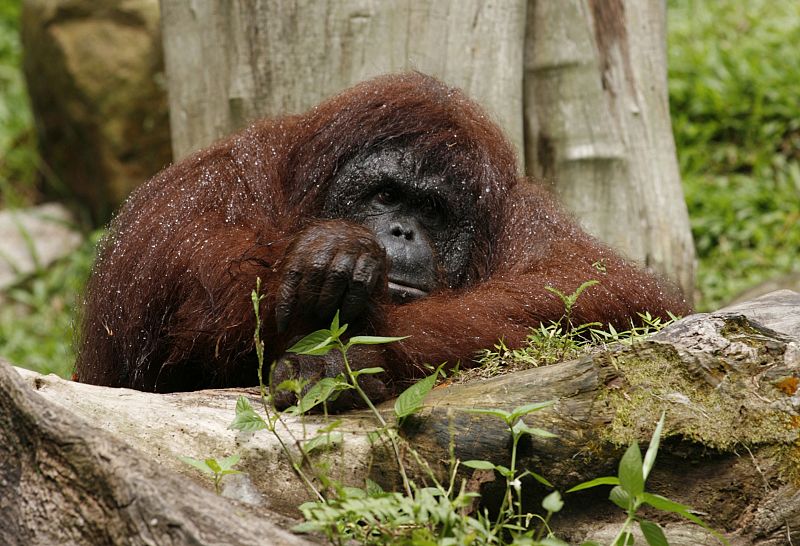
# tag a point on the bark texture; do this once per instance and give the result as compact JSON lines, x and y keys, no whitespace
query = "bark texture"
{"x":727,"y":381}
{"x":231,"y":62}
{"x":597,"y":126}
{"x":66,"y":481}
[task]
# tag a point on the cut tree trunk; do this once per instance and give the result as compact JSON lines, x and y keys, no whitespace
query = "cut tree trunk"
{"x":597,"y":126}
{"x":229,"y":63}
{"x":727,"y":381}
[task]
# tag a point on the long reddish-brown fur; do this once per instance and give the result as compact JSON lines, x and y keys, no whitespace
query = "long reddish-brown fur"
{"x":168,"y":305}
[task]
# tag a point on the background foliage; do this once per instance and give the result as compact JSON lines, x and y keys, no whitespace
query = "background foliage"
{"x":18,"y":157}
{"x":734,"y":69}
{"x":734,"y":72}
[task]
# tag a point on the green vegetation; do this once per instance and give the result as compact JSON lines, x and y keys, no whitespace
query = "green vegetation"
{"x":217,"y":469}
{"x":733,"y":73}
{"x":446,"y":512}
{"x":630,"y":495}
{"x":18,"y":156}
{"x":37,"y":316}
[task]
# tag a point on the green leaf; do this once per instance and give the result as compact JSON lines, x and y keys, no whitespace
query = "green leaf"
{"x":410,"y":400}
{"x":652,"y":449}
{"x":373,"y":489}
{"x":552,"y":502}
{"x":248,"y":421}
{"x":620,"y":497}
{"x":606,"y":480}
{"x":316,"y":343}
{"x":520,"y":428}
{"x":200,"y":465}
{"x":347,"y":492}
{"x":308,"y":527}
{"x":504,"y":415}
{"x":373,"y":340}
{"x":331,"y":426}
{"x":335,"y":322}
{"x":291,"y":385}
{"x":213,"y":465}
{"x":652,"y":533}
{"x":243,"y":405}
{"x":630,"y":471}
{"x":530,"y":408}
{"x":539,"y":478}
{"x":320,"y":392}
{"x":255,"y":298}
{"x":663,"y":503}
{"x":228,"y":462}
{"x":551,"y":541}
{"x":367,"y":371}
{"x":328,"y":439}
{"x":478,"y":464}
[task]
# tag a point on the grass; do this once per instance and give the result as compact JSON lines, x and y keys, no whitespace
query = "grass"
{"x":734,"y":68}
{"x":733,"y":73}
{"x":18,"y":157}
{"x":37,"y":318}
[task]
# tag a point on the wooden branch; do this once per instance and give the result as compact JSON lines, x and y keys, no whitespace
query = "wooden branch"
{"x":727,"y":381}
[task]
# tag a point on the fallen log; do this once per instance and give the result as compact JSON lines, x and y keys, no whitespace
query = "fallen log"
{"x":64,"y":480}
{"x":727,"y":381}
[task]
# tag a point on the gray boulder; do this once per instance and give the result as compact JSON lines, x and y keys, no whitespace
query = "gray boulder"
{"x":94,"y":72}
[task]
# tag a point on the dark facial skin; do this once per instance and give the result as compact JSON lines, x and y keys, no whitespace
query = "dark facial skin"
{"x":406,"y":248}
{"x":390,"y":228}
{"x":417,"y":216}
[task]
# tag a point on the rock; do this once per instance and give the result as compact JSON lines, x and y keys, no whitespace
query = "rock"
{"x":790,"y":281}
{"x":33,"y":238}
{"x":94,"y":72}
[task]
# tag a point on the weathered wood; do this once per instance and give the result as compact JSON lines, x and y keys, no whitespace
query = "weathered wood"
{"x":727,"y":381}
{"x":66,"y":481}
{"x":231,"y":62}
{"x":597,"y":126}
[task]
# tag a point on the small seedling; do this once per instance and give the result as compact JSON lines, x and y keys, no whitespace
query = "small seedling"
{"x":216,"y":468}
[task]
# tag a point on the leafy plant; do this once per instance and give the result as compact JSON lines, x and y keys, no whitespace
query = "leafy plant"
{"x":629,"y":494}
{"x":733,"y":72}
{"x":218,"y":469}
{"x":18,"y":155}
{"x":551,"y":343}
{"x":435,"y":515}
{"x":569,"y":300}
{"x":440,"y":514}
